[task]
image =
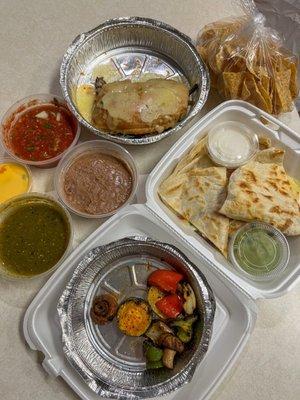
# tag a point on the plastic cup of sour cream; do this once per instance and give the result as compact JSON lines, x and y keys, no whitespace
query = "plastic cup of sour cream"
{"x":231,"y":144}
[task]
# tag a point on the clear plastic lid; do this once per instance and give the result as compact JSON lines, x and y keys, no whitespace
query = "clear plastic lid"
{"x":231,"y":144}
{"x":259,"y":251}
{"x":15,"y":181}
{"x":93,"y":146}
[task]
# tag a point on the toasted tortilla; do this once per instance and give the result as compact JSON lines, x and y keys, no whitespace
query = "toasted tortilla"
{"x":273,"y":155}
{"x":196,"y":195}
{"x":263,"y":191}
{"x":196,"y":158}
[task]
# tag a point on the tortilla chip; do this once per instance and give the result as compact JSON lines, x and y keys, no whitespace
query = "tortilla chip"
{"x":219,"y":62}
{"x":283,"y":101}
{"x":294,"y":89}
{"x":233,"y":83}
{"x":256,"y":97}
{"x":292,"y":66}
{"x":266,"y":96}
{"x":245,"y":91}
{"x":264,"y":142}
{"x":203,"y":52}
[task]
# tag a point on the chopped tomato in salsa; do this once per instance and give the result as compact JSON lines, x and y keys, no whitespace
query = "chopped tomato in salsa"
{"x":42,"y":132}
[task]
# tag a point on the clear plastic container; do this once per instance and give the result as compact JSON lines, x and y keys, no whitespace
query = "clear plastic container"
{"x":94,"y":146}
{"x":16,"y":110}
{"x":259,"y":251}
{"x":7,"y":160}
{"x":231,"y":144}
{"x":31,"y":198}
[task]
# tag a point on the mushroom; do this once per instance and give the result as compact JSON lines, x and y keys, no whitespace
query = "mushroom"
{"x":172,"y":342}
{"x":168,"y":358}
{"x":104,"y":308}
{"x":156,"y":330}
{"x":188,"y":294}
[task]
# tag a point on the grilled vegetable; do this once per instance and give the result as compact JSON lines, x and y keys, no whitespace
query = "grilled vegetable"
{"x":168,"y":358}
{"x":104,"y":309}
{"x":165,"y":280}
{"x":153,"y":353}
{"x":170,"y":305}
{"x":156,"y":330}
{"x":172,"y":342}
{"x":134,"y":317}
{"x":154,"y":294}
{"x":154,"y":364}
{"x":189,"y":304}
{"x":184,"y":328}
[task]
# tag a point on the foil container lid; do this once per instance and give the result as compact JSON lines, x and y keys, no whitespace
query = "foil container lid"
{"x":130,"y":48}
{"x":111,"y":363}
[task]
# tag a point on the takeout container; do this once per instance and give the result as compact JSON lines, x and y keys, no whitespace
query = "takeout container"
{"x":254,"y":270}
{"x":16,"y":110}
{"x":93,"y":146}
{"x":93,"y":350}
{"x":9,"y":160}
{"x":236,"y":309}
{"x":219,"y":133}
{"x":125,"y":48}
{"x":29,"y":198}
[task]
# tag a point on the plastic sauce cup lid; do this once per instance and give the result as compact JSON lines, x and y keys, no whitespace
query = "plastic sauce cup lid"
{"x":259,"y":251}
{"x":231,"y":144}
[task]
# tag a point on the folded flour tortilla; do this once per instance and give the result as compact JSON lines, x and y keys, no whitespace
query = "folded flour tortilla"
{"x":263,"y":191}
{"x":196,"y":195}
{"x":259,"y":190}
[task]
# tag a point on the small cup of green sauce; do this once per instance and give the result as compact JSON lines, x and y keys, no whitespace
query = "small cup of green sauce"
{"x":259,"y":251}
{"x":35,"y":235}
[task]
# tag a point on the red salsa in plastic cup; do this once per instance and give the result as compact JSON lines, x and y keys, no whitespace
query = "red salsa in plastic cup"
{"x":39,"y":131}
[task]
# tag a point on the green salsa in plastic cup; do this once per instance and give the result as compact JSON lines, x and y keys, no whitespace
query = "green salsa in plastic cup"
{"x":259,"y":251}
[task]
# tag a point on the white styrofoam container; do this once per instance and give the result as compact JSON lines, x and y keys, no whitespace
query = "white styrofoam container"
{"x":283,"y":137}
{"x":236,"y":310}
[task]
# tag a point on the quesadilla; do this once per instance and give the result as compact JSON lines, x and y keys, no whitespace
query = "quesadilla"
{"x":271,"y":155}
{"x":197,"y":158}
{"x":263,"y":191}
{"x":196,"y":195}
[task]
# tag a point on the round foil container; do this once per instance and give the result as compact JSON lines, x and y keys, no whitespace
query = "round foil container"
{"x":112,"y":364}
{"x":132,"y":48}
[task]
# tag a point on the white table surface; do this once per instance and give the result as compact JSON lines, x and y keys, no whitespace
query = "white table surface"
{"x":34,"y":35}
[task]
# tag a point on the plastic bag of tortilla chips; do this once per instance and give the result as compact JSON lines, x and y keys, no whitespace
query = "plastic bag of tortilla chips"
{"x":247,"y":61}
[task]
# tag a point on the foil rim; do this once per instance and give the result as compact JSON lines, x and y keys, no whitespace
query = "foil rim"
{"x":107,"y":389}
{"x":149,"y":138}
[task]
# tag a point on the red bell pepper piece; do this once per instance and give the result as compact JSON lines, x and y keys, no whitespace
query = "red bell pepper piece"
{"x":170,"y":305}
{"x":165,"y":280}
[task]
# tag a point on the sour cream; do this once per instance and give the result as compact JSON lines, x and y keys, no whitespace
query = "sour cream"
{"x":231,"y":144}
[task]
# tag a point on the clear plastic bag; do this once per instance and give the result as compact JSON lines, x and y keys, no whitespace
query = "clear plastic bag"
{"x":247,"y":61}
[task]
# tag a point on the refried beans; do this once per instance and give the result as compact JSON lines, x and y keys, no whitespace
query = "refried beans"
{"x":97,"y":183}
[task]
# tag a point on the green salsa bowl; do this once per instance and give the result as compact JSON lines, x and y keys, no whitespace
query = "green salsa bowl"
{"x":35,"y":235}
{"x":259,"y":251}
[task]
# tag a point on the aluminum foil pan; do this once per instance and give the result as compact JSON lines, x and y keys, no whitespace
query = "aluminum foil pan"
{"x":135,"y":48}
{"x":111,"y":363}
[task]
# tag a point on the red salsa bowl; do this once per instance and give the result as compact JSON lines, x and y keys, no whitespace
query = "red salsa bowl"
{"x":39,"y":129}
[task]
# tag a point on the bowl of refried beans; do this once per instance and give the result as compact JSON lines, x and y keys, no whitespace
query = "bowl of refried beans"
{"x":96,"y":178}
